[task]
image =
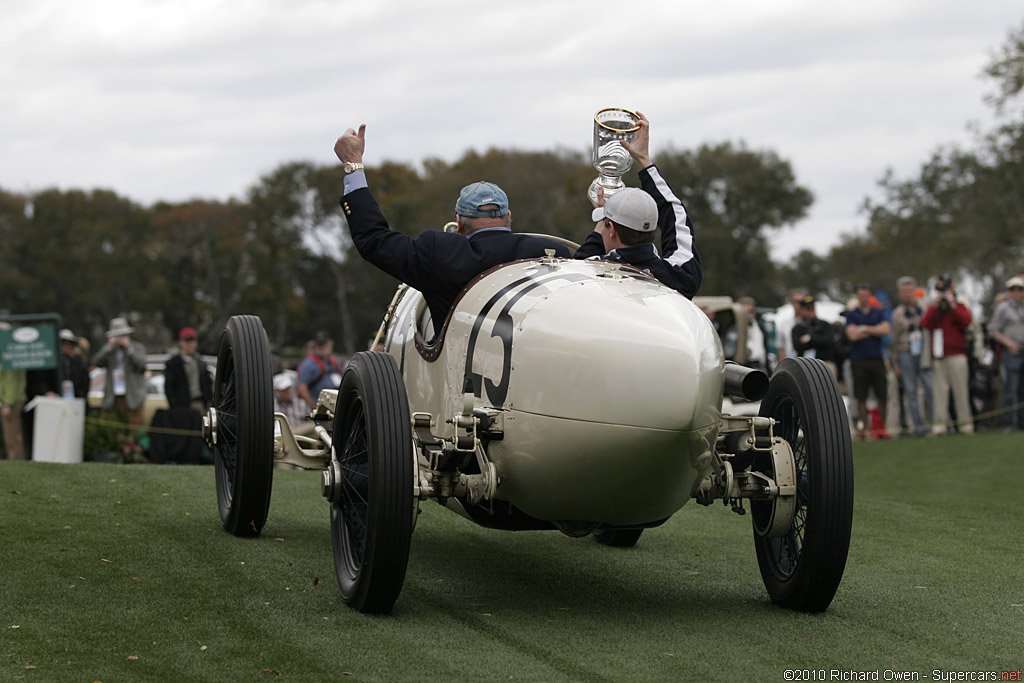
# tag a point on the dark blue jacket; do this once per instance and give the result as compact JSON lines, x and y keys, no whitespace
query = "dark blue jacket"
{"x":438,"y":264}
{"x":679,"y":265}
{"x":176,"y":382}
{"x":870,"y":347}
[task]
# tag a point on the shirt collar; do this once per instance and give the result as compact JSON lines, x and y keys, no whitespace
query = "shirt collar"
{"x":497,"y":228}
{"x":635,"y":251}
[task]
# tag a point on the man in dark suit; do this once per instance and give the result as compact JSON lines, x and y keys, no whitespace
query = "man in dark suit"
{"x":189,"y":393}
{"x":813,"y":337}
{"x":186,"y":378}
{"x":438,"y":264}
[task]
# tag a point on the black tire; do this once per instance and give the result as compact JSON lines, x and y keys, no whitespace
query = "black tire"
{"x":618,"y":538}
{"x":372,"y":511}
{"x":243,"y":402}
{"x":803,"y":568}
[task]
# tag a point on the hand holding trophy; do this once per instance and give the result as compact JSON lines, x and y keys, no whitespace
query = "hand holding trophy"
{"x":611,"y":159}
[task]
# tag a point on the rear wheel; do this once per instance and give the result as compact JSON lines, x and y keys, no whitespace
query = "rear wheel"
{"x":618,"y":538}
{"x":243,"y":415}
{"x":802,"y":568}
{"x":371,"y":483}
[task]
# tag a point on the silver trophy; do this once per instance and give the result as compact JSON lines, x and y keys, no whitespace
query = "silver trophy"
{"x":611,"y":159}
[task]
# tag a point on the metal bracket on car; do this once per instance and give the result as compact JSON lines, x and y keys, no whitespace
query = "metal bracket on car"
{"x":782,"y":491}
{"x":481,"y":486}
{"x":389,"y":314}
{"x":761,"y":430}
{"x":326,"y":405}
{"x":465,"y":425}
{"x":733,"y":487}
{"x":210,"y":427}
{"x":440,"y":460}
{"x":302,"y":451}
{"x":549,"y":257}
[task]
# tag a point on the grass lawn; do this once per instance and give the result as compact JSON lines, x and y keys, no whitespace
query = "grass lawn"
{"x":122,"y":573}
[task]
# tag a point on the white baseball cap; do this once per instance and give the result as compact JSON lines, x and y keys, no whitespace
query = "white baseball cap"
{"x":630,"y":207}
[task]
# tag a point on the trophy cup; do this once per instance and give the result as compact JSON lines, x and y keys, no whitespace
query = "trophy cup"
{"x":610,"y":158}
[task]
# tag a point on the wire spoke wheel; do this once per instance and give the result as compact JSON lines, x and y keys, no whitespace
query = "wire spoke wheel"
{"x":802,"y":569}
{"x":244,"y":404}
{"x":373,"y":507}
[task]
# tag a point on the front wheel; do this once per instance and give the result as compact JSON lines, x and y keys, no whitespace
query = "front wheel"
{"x":803,"y":568}
{"x":243,"y":419}
{"x":372,"y":499}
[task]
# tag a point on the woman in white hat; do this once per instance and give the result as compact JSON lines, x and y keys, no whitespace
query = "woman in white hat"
{"x":125,"y":362}
{"x":73,"y":371}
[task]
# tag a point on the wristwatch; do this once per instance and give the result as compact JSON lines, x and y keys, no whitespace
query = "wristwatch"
{"x":351,"y":167}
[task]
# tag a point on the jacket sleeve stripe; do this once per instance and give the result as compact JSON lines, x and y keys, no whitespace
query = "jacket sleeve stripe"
{"x":677,"y":224}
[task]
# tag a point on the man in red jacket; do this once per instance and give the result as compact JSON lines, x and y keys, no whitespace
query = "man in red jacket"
{"x":948,"y":318}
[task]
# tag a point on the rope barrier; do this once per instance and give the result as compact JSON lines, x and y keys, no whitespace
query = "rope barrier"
{"x":117,"y":424}
{"x":960,"y":421}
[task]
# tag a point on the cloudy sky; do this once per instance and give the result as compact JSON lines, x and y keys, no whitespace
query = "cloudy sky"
{"x":178,"y":99}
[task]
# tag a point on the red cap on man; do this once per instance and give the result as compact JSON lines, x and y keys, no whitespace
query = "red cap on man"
{"x":186,"y":333}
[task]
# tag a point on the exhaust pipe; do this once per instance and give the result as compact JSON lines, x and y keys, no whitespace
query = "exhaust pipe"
{"x":745,"y":383}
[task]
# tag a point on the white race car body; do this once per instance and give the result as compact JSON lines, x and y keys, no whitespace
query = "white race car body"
{"x":582,"y":396}
{"x":608,"y":386}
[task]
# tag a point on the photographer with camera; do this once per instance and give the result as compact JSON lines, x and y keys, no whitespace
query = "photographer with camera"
{"x":912,"y":354}
{"x":948,"y":318}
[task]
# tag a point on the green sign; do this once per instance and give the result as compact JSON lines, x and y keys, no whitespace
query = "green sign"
{"x":28,"y":347}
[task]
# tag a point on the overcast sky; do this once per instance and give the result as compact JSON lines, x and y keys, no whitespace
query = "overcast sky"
{"x":172,"y":100}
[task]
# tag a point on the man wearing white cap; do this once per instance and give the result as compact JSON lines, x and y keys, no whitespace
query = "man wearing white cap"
{"x":1007,"y":328}
{"x":627,"y":221}
{"x":125,"y":362}
{"x":290,"y":405}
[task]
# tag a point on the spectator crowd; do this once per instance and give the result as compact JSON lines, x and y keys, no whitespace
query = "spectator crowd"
{"x":123,"y":397}
{"x":924,"y":366}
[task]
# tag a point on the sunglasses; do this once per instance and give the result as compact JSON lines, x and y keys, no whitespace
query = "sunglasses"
{"x":188,"y":339}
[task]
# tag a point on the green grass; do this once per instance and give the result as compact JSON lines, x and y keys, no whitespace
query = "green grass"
{"x":122,"y":573}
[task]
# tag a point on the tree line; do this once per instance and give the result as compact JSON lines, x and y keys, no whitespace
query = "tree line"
{"x":283,"y":251}
{"x":962,"y":212}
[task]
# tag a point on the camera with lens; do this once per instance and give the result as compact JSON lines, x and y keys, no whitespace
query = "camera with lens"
{"x":944,"y":287}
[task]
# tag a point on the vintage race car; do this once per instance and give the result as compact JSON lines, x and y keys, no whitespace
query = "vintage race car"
{"x":578,"y":396}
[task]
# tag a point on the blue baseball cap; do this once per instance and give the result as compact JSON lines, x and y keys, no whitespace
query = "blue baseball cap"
{"x":475,"y":195}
